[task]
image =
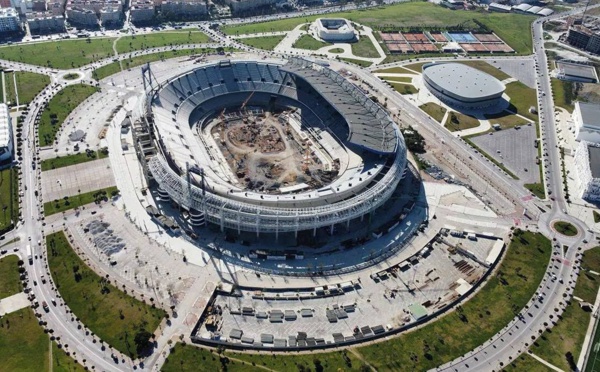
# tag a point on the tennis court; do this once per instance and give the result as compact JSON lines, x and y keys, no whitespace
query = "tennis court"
{"x":461,"y":37}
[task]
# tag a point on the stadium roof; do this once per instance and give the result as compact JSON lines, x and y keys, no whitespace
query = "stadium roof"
{"x":5,"y":130}
{"x":369,"y":125}
{"x":545,"y":12}
{"x":462,"y":80}
{"x":523,"y":7}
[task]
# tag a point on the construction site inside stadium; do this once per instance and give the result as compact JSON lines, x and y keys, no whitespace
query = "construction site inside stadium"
{"x":288,"y":148}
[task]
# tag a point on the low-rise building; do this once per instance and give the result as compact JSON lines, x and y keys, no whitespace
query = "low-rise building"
{"x":335,"y":29}
{"x":576,"y":72}
{"x":110,"y":15}
{"x":6,"y":135}
{"x":587,"y":166}
{"x":241,"y":6}
{"x":586,"y":119}
{"x":45,"y":22}
{"x":9,"y":20}
{"x":187,"y":9}
{"x":141,"y":11}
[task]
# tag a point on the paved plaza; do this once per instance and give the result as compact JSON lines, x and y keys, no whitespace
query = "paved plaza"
{"x":76,"y":179}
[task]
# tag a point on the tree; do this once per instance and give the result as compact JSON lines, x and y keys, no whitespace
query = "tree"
{"x":142,"y":341}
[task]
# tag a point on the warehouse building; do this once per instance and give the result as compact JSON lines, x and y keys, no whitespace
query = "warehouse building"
{"x":587,"y":165}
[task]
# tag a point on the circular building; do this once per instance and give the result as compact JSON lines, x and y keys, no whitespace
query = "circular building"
{"x":335,"y":29}
{"x":462,"y":86}
{"x":271,"y":147}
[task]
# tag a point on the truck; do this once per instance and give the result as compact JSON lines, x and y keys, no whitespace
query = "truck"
{"x":29,"y":256}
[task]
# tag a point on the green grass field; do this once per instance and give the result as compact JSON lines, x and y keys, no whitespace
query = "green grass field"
{"x":504,"y":295}
{"x":560,"y":94}
{"x":65,"y":161}
{"x":364,"y":48}
{"x":461,"y":122}
{"x":394,"y":70}
{"x":9,"y":276}
{"x":506,"y":119}
{"x":265,"y":42}
{"x":525,"y":362}
{"x":59,"y":107}
{"x":521,"y":99}
{"x":159,"y":39}
{"x":63,"y":54}
{"x":188,"y":358}
{"x":565,"y":228}
{"x":512,"y":28}
{"x":9,"y":197}
{"x":588,"y":283}
{"x":537,"y":189}
{"x":112,"y":315}
{"x":434,"y":110}
{"x":401,"y":79}
{"x":25,"y":347}
{"x":29,"y":84}
{"x":336,"y":50}
{"x":417,"y":67}
{"x":75,"y":201}
{"x":310,"y":43}
{"x":113,"y":68}
{"x":356,"y":61}
{"x":404,"y":88}
{"x":596,"y":216}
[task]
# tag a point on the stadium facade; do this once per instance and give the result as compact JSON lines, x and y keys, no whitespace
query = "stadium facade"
{"x":345,"y":126}
{"x":459,"y":85}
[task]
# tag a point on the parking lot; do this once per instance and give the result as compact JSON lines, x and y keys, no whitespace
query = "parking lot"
{"x":515,"y":149}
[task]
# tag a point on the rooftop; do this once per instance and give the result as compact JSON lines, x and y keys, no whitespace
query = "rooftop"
{"x":590,"y":114}
{"x":462,"y":80}
{"x":576,"y":69}
{"x":594,"y":152}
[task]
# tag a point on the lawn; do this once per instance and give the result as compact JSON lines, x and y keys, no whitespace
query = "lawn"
{"x":487,"y":68}
{"x":310,"y":43}
{"x":394,"y":70}
{"x":521,"y":99}
{"x":412,"y":14}
{"x":160,"y":39}
{"x":59,"y":107}
{"x":75,"y":201}
{"x":587,"y":283}
{"x":24,"y":346}
{"x":449,"y":337}
{"x":565,"y":228}
{"x":537,"y":189}
{"x":63,"y":54}
{"x":115,"y":67}
{"x":596,"y":216}
{"x":265,"y":42}
{"x":506,"y":119}
{"x":434,"y":110}
{"x":404,"y":88}
{"x":336,"y":50}
{"x":568,"y":335}
{"x":525,"y":362}
{"x":68,"y":160}
{"x":29,"y":84}
{"x":562,"y":92}
{"x":190,"y":358}
{"x":9,"y":197}
{"x":356,"y":61}
{"x":417,"y":67}
{"x":10,"y":283}
{"x":112,"y":315}
{"x":396,"y":79}
{"x":457,"y":121}
{"x":364,"y":48}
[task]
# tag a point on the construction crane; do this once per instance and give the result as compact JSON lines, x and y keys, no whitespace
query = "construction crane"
{"x":246,"y":101}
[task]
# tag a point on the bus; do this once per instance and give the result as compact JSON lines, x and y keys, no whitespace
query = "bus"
{"x":29,"y":256}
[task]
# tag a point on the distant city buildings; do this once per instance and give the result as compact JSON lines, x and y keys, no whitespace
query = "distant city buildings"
{"x":243,"y":6}
{"x":141,"y":11}
{"x":582,"y":37}
{"x":45,"y":23}
{"x":9,"y":20}
{"x":184,"y":9}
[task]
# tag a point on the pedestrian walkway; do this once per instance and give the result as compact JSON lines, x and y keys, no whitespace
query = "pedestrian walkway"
{"x":13,"y":303}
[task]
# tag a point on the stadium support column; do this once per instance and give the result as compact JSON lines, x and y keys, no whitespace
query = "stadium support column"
{"x":331,"y":228}
{"x":297,"y":227}
{"x":257,"y":224}
{"x":222,"y":213}
{"x":348,"y":225}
